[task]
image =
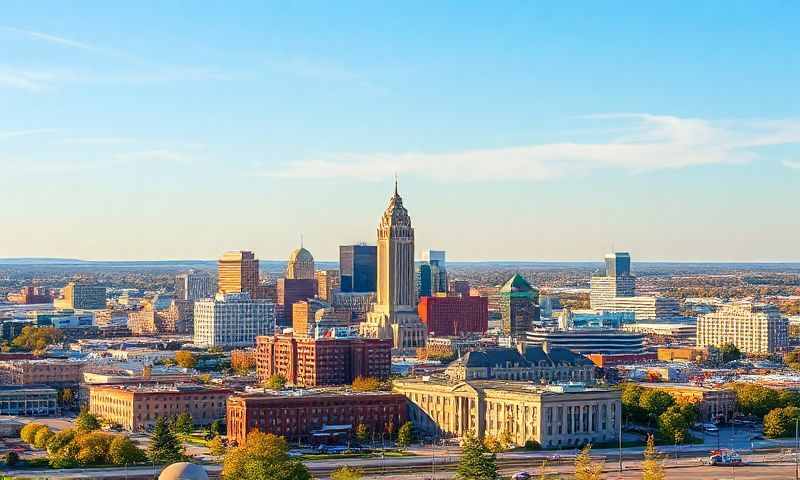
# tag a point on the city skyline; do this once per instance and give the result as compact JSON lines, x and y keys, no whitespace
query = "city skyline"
{"x":531,"y":133}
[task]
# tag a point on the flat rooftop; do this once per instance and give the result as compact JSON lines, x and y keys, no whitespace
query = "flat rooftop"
{"x":162,"y":388}
{"x":508,"y":385}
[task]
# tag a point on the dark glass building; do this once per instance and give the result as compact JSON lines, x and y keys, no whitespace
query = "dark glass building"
{"x":424,"y":280}
{"x":358,"y":267}
{"x":618,"y":264}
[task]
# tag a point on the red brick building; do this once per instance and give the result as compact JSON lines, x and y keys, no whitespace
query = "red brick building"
{"x":288,"y":292}
{"x":454,"y":316}
{"x":309,"y":362}
{"x":305,"y":417}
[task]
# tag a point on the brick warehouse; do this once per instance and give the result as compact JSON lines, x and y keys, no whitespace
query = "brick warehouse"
{"x":453,"y":316}
{"x":314,"y":416}
{"x":309,"y":362}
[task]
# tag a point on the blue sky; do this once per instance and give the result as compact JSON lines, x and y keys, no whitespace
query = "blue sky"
{"x":519,"y":130}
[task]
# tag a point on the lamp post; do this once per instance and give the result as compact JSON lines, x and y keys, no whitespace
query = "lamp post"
{"x":796,"y":450}
{"x":433,"y":459}
{"x":619,"y":435}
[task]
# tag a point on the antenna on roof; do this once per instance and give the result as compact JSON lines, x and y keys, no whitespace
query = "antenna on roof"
{"x":301,"y":240}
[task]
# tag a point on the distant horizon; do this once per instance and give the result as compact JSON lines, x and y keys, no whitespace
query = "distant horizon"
{"x":32,"y":260}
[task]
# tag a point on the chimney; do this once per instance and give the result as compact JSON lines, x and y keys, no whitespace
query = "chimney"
{"x":545,"y":347}
{"x":147,"y":370}
{"x":521,"y":347}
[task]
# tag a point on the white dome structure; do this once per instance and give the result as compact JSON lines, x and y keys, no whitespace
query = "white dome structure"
{"x":301,"y":265}
{"x":183,"y":471}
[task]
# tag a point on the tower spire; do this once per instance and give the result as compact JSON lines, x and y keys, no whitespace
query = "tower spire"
{"x":301,"y":240}
{"x":395,"y":185}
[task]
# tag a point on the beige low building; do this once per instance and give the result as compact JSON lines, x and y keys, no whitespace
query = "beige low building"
{"x":713,"y":404}
{"x":137,"y":407}
{"x":555,"y":416}
{"x":756,"y":329}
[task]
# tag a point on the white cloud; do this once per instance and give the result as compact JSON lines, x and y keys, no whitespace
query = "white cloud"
{"x":790,"y":164}
{"x":25,"y":133}
{"x":648,"y":142}
{"x":51,"y":38}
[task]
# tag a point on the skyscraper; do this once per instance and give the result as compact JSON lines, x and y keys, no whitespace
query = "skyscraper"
{"x":424,"y":281}
{"x":394,"y":314}
{"x":238,"y":272}
{"x":301,"y":265}
{"x":519,"y":306}
{"x":358,"y":267}
{"x":617,"y":281}
{"x":436,"y":259}
{"x":193,"y":285}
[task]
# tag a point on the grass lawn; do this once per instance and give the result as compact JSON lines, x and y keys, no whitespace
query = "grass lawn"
{"x":195,"y":439}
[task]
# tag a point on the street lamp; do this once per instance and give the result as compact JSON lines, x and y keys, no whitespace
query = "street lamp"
{"x":796,"y":450}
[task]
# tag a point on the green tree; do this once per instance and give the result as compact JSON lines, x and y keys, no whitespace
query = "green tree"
{"x":184,"y":424}
{"x":673,"y":423}
{"x":93,"y":448}
{"x":87,"y":422}
{"x":123,"y":451}
{"x":631,"y":411}
{"x":405,"y":435}
{"x":755,"y":400}
{"x":476,"y":462}
{"x":185,"y":359}
{"x":59,"y":441}
{"x":216,"y":428}
{"x":217,"y":446}
{"x":28,"y":432}
{"x":66,"y":456}
{"x":730,"y":352}
{"x":652,"y":467}
{"x":275,"y":382}
{"x":789,"y":398}
{"x":12,"y":459}
{"x":654,"y":402}
{"x":346,"y":473}
{"x":780,"y":422}
{"x":42,"y":437}
{"x":263,"y":455}
{"x":164,"y":446}
{"x":362,"y":433}
{"x":585,"y":468}
{"x":366,"y":384}
{"x":36,"y":339}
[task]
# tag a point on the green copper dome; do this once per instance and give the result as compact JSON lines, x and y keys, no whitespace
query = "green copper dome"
{"x":518,"y":285}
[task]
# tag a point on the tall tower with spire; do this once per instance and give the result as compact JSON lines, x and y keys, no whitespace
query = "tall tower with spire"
{"x":394,"y":313}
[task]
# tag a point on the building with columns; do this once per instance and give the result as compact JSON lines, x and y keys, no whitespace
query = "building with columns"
{"x":555,"y":416}
{"x":394,"y":314}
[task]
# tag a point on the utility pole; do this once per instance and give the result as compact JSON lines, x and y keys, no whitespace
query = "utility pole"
{"x":796,"y":450}
{"x":620,"y":443}
{"x":433,"y":459}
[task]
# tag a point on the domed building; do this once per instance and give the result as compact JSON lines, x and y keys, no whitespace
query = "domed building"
{"x":301,"y":265}
{"x":183,"y":471}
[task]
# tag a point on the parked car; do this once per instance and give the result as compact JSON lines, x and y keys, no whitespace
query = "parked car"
{"x":523,"y":475}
